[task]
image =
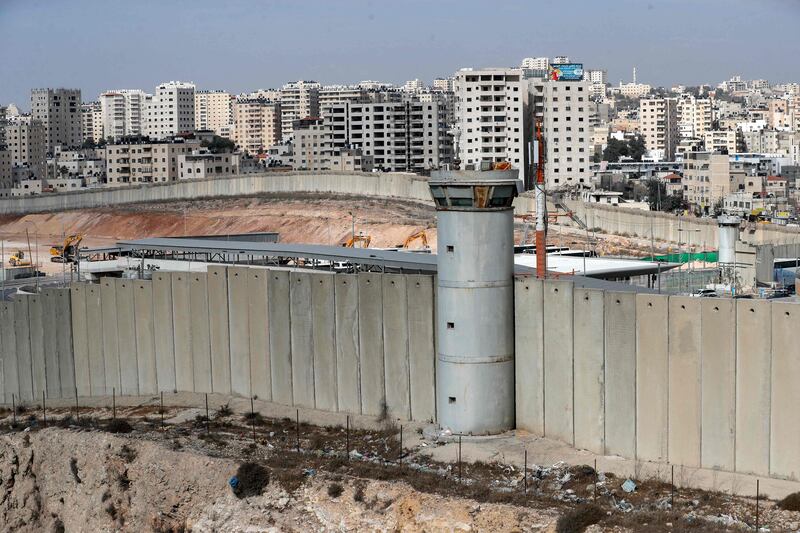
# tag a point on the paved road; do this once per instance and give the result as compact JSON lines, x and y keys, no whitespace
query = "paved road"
{"x":9,"y":288}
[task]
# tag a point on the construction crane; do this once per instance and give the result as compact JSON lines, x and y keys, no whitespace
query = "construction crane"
{"x":541,"y":205}
{"x":353,"y":241}
{"x":420,"y":235}
{"x":68,"y":251}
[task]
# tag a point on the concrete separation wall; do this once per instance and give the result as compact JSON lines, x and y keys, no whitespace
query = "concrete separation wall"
{"x":304,"y":338}
{"x":382,"y":185}
{"x":701,"y":383}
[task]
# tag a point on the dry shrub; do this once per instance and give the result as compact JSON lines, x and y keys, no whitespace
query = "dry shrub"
{"x":335,"y":490}
{"x":791,"y":502}
{"x":253,"y":478}
{"x":578,"y":519}
{"x":119,"y":425}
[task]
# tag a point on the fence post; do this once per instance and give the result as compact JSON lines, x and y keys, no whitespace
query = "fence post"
{"x":44,"y":410}
{"x":347,"y":438}
{"x":113,"y":403}
{"x":13,"y":409}
{"x":297,"y":423}
{"x":757,"y":496}
{"x":525,"y":472}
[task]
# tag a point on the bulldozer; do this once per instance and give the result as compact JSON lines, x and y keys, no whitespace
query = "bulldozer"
{"x":68,"y":251}
{"x":356,"y":240}
{"x":420,"y":235}
{"x":17,"y":259}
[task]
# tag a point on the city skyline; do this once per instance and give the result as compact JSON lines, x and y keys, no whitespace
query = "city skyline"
{"x":241,"y":47}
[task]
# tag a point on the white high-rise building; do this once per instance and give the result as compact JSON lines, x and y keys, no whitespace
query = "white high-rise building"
{"x":299,"y":100}
{"x":413,"y":86}
{"x":256,"y":124}
{"x":658,"y":123}
{"x":123,"y":112}
{"x":59,"y":110}
{"x":694,"y":116}
{"x":92,"y":122}
{"x":170,"y":111}
{"x":560,"y":60}
{"x":213,"y":110}
{"x":536,"y":63}
{"x":490,"y":117}
{"x":444,"y":84}
{"x":566,"y":112}
{"x":597,"y":76}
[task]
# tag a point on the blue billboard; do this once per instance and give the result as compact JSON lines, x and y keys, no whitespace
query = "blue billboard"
{"x":566,"y":72}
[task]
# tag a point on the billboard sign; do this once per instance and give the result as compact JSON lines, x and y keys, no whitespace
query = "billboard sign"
{"x":566,"y":72}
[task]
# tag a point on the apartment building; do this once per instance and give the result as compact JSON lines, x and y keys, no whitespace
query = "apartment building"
{"x":26,"y":141}
{"x":92,"y":122}
{"x":59,"y":110}
{"x":201,"y":164}
{"x":412,"y":86}
{"x":402,"y":136}
{"x":213,"y":110}
{"x":706,"y":180}
{"x":6,"y":174}
{"x":444,"y":84}
{"x":145,"y":162}
{"x":566,"y":113}
{"x":335,"y":94}
{"x":490,"y":120}
{"x":695,"y":116}
{"x":256,"y":124}
{"x":170,"y":111}
{"x":298,"y":100}
{"x":658,"y":124}
{"x":124,"y":112}
{"x":723,"y":141}
{"x":312,"y":144}
{"x":535,"y":63}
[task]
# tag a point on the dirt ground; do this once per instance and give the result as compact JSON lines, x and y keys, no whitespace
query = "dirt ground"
{"x":299,"y":218}
{"x":87,"y":472}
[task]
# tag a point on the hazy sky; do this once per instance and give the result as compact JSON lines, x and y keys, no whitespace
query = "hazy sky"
{"x":242,"y":45}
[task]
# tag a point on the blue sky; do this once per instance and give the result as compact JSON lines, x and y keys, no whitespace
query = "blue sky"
{"x":241,"y":45}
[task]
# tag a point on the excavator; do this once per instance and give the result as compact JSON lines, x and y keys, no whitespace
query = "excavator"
{"x":358,"y":241}
{"x":67,"y":252}
{"x":420,"y":235}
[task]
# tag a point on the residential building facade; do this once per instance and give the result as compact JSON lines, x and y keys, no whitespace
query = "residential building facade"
{"x":213,"y":110}
{"x":658,"y":119}
{"x":146,"y":162}
{"x":170,"y":111}
{"x":298,"y":100}
{"x":26,"y":142}
{"x":124,"y":112}
{"x":706,"y":180}
{"x":59,"y":111}
{"x":256,"y":124}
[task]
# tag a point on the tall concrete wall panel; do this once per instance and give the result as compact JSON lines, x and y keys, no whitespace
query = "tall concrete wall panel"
{"x":258,"y":316}
{"x":652,"y":376}
{"x":280,"y":337}
{"x":302,"y":339}
{"x":421,"y":351}
{"x":50,"y":340}
{"x":36,"y":325}
{"x":785,"y":416}
{"x":395,"y":346}
{"x":558,"y":363}
{"x":94,"y":340}
{"x":145,"y":336}
{"x":126,"y":330}
{"x":80,"y":338}
{"x":370,"y":334}
{"x":529,"y":354}
{"x":718,"y":318}
{"x":348,"y":383}
{"x":23,"y":343}
{"x":684,"y":381}
{"x":218,"y":329}
{"x":589,"y":360}
{"x":620,"y":350}
{"x":182,"y":331}
{"x":9,"y":344}
{"x":201,"y":345}
{"x":239,"y":320}
{"x":323,"y":319}
{"x":164,"y":331}
{"x":753,"y":362}
{"x":108,"y":302}
{"x":66,"y":359}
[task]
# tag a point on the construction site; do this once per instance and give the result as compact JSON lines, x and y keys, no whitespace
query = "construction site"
{"x":362,"y":352}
